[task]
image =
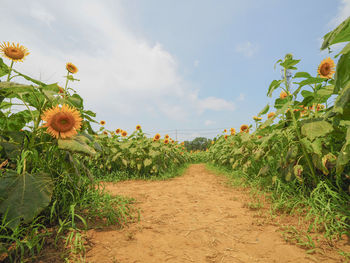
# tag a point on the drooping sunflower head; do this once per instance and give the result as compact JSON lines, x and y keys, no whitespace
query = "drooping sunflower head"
{"x":117,"y":131}
{"x":326,"y":68}
{"x":283,"y":94}
{"x":156,"y":137}
{"x":257,"y":118}
{"x":138,"y":127}
{"x":102,"y":122}
{"x":271,"y":114}
{"x":166,"y":136}
{"x":233,"y":131}
{"x":244,"y":128}
{"x":124,"y":133}
{"x":71,"y":68}
{"x":14,"y":52}
{"x":166,"y":141}
{"x":105,"y":132}
{"x":62,"y":122}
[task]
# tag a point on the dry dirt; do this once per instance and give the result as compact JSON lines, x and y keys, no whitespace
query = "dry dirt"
{"x":195,"y":218}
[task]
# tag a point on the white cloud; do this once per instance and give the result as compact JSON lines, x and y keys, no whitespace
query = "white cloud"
{"x":247,"y":48}
{"x":241,"y":97}
{"x":40,"y":13}
{"x":343,"y":13}
{"x":209,"y":122}
{"x":121,"y":74}
{"x":196,"y":63}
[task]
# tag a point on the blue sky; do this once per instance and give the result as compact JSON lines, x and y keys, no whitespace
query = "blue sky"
{"x":195,"y":66}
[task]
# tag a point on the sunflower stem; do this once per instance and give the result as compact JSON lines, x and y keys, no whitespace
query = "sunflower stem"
{"x":8,"y":76}
{"x":65,"y":87}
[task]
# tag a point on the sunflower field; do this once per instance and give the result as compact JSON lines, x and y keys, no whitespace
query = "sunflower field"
{"x":303,"y":148}
{"x":52,"y":161}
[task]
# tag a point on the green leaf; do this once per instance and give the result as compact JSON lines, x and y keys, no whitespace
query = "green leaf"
{"x":342,"y":100}
{"x":344,"y":51}
{"x":310,"y":81}
{"x":30,"y":79}
{"x":4,"y":69}
{"x":24,"y":196}
{"x":316,"y":129}
{"x":76,"y":144}
{"x":76,"y":101}
{"x":264,"y":110}
{"x":290,"y":63}
{"x":302,"y":75}
{"x":342,"y":74}
{"x":147,"y":162}
{"x":274,"y":85}
{"x":344,"y":154}
{"x":125,"y":162}
{"x":340,"y":34}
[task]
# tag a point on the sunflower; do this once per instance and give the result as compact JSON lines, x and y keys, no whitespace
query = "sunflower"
{"x":326,"y":68}
{"x":166,"y":136}
{"x":124,"y":133}
{"x":283,"y":94}
{"x":71,"y":68}
{"x":225,"y":136}
{"x":271,"y":114}
{"x":105,"y":132}
{"x":244,"y":128}
{"x":233,"y":131}
{"x":117,"y":131}
{"x":225,"y":131}
{"x":62,"y":122}
{"x":138,"y":127}
{"x":156,"y":137}
{"x":102,"y":122}
{"x":60,"y":89}
{"x":166,"y":141}
{"x":14,"y":52}
{"x":212,"y":142}
{"x":257,"y":118}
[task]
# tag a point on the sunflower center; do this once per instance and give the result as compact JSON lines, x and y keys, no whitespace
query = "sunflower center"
{"x":14,"y":53}
{"x":62,"y":122}
{"x":325,"y":69}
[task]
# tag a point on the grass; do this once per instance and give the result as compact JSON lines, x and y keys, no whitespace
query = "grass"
{"x":117,"y":176}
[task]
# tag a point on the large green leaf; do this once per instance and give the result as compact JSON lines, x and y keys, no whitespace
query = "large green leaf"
{"x":24,"y":196}
{"x":338,"y":35}
{"x":316,"y":129}
{"x":342,"y":74}
{"x":78,"y":143}
{"x":344,"y":154}
{"x":342,"y":100}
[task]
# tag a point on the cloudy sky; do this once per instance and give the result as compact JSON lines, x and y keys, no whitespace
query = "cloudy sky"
{"x":195,"y":66}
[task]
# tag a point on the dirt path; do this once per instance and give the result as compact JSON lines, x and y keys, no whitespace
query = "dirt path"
{"x":193,"y":218}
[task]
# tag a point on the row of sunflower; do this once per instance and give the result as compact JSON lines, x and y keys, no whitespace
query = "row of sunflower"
{"x":48,"y":148}
{"x":305,"y":141}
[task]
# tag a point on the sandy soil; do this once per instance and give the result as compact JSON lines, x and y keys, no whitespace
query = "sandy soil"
{"x":194,"y":218}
